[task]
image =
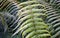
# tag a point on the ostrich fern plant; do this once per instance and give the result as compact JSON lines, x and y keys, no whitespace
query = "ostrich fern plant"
{"x":31,"y":18}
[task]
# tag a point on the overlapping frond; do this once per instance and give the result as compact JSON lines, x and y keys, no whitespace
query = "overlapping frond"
{"x":32,"y":18}
{"x":31,"y":23}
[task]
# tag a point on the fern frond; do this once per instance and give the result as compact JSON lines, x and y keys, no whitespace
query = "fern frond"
{"x":31,"y":24}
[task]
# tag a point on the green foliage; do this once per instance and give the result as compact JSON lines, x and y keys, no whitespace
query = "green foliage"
{"x":35,"y":18}
{"x":33,"y":25}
